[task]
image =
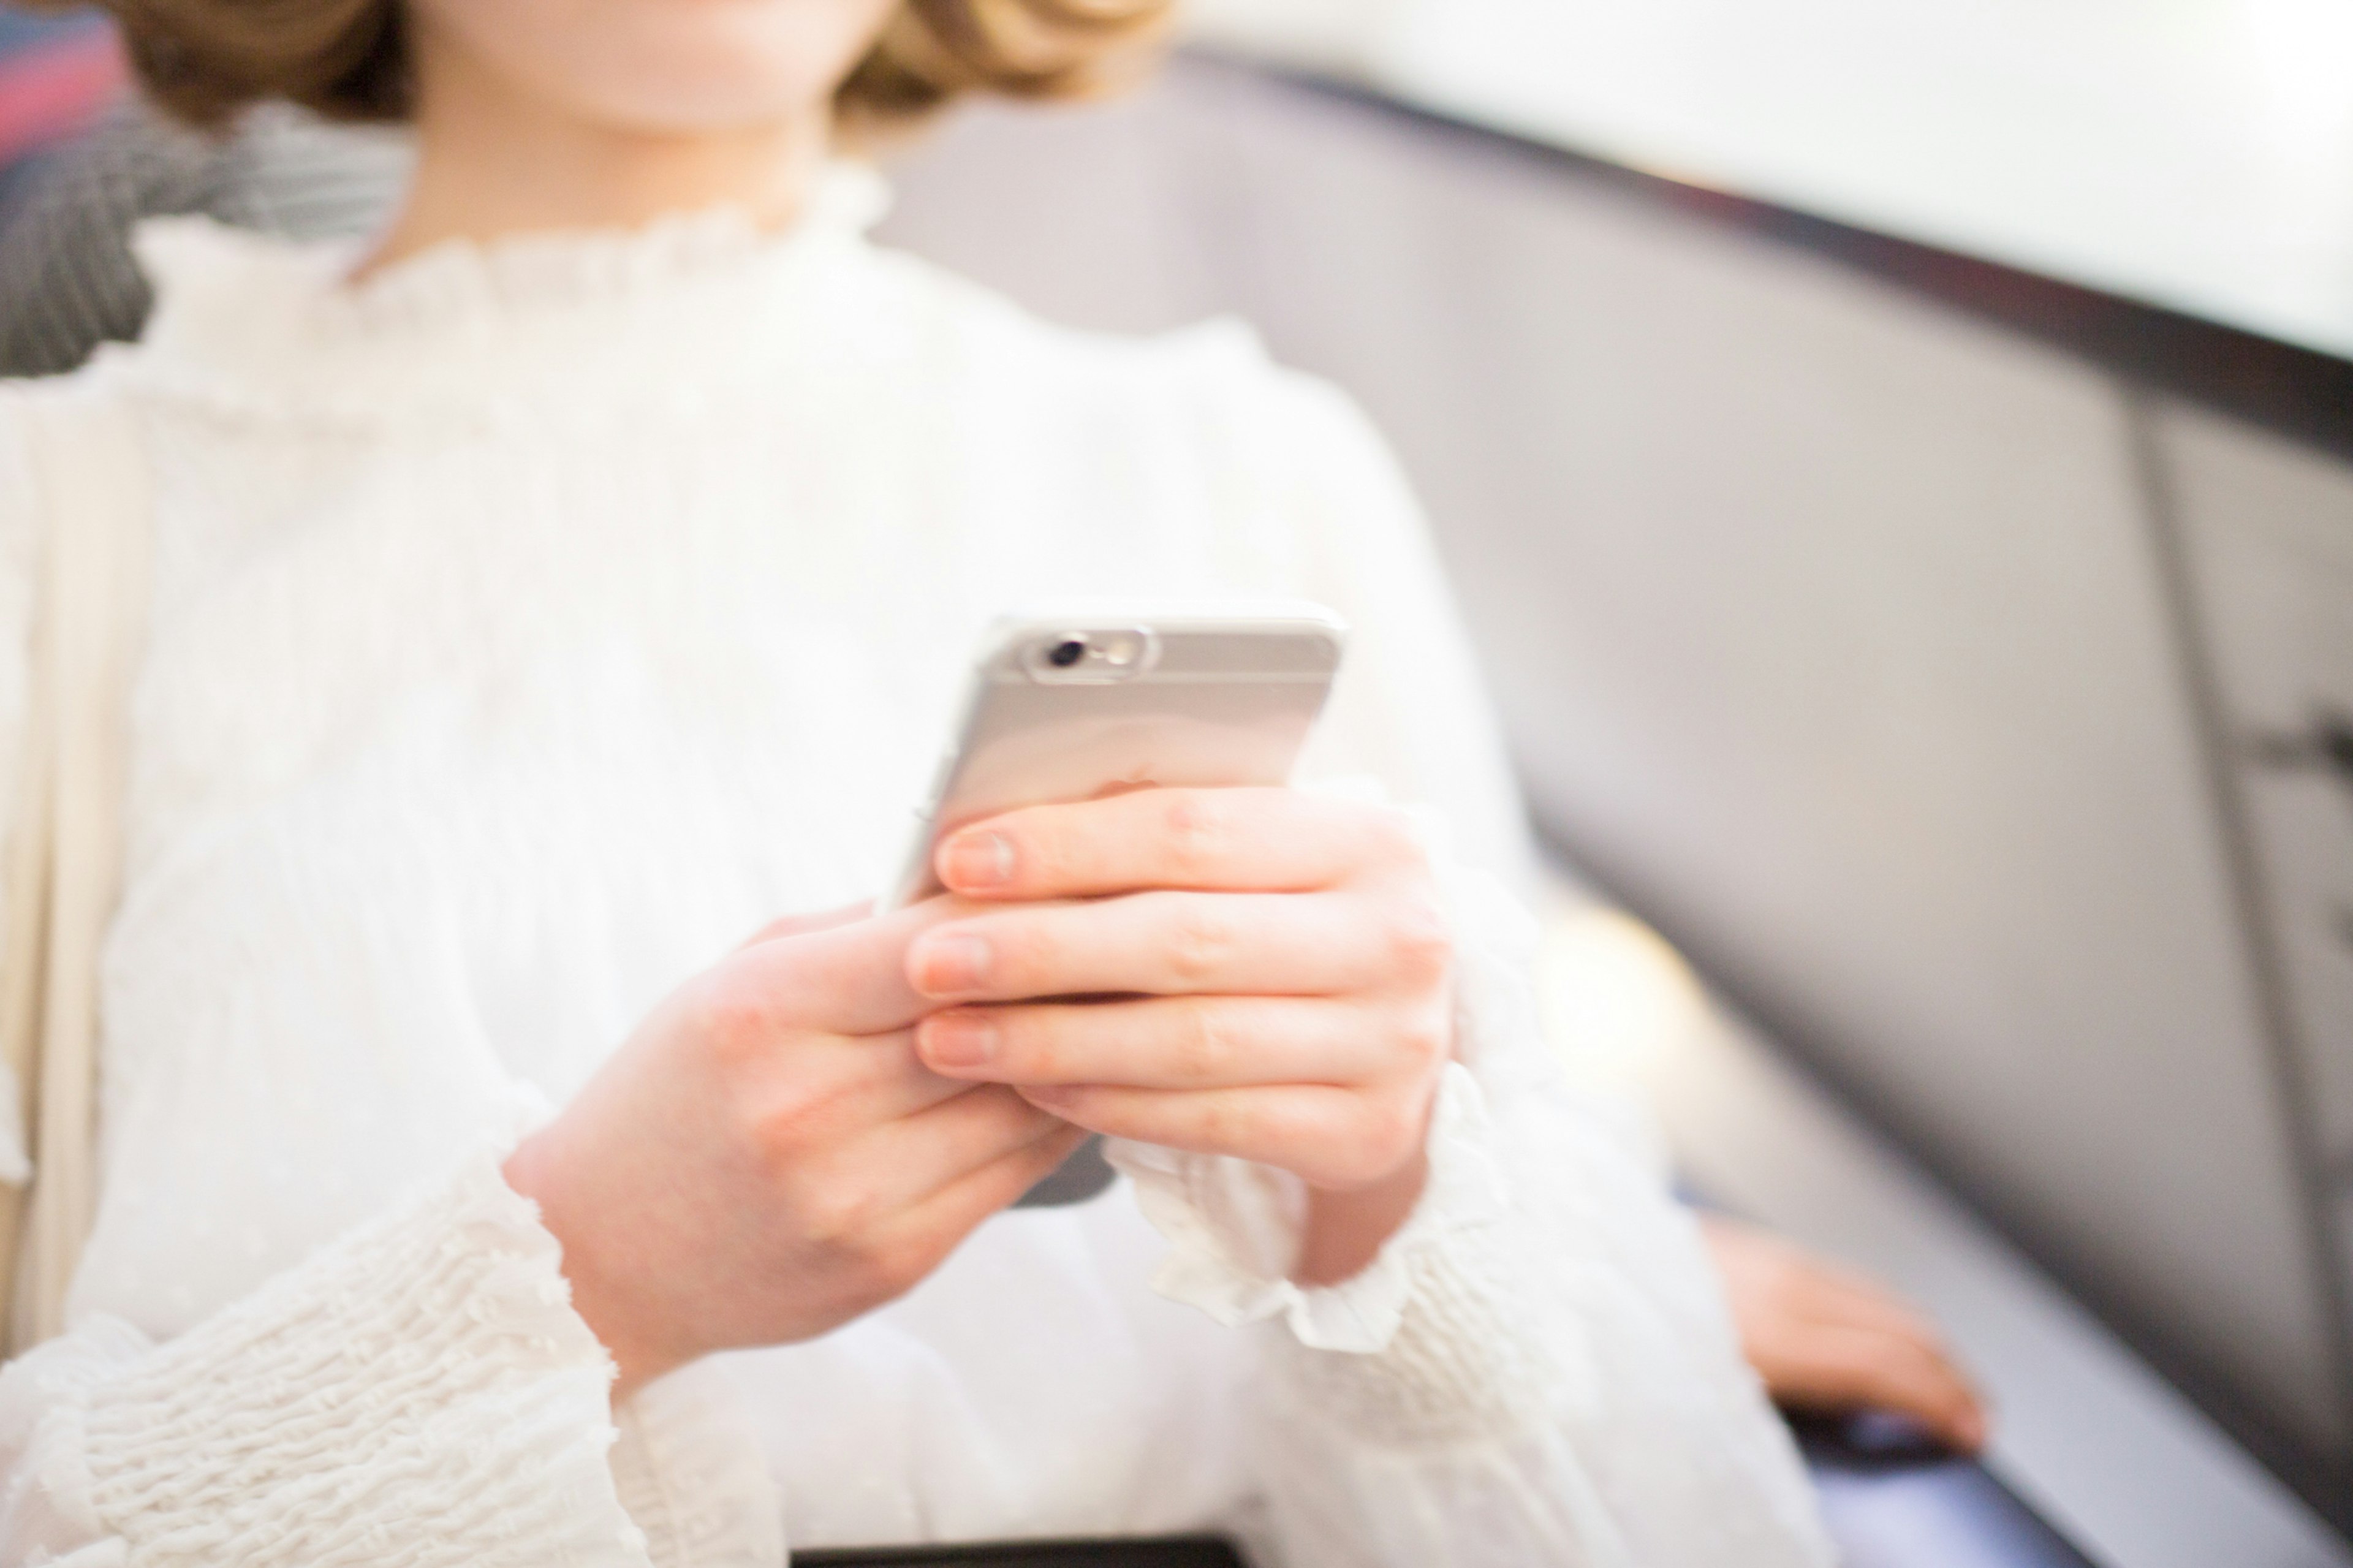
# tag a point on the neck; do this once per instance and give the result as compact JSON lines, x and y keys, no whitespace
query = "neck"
{"x":490,"y":162}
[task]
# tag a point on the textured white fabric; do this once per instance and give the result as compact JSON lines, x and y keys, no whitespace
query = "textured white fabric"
{"x":530,"y":625}
{"x":426,"y":1368}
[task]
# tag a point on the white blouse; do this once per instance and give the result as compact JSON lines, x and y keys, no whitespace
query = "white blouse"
{"x":532,"y":622}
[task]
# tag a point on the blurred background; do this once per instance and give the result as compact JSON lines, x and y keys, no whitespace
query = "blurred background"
{"x":1897,"y":462}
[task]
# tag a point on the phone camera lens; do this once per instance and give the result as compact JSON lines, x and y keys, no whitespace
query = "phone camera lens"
{"x":1066,"y":653}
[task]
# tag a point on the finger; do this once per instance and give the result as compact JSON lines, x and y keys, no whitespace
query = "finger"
{"x":1860,"y":1368}
{"x":801,"y":925}
{"x":1332,"y":1137}
{"x":1168,"y":943}
{"x":901,"y":1163}
{"x":844,"y":1085}
{"x":848,"y":979}
{"x":1242,"y":840}
{"x":1838,"y":1299}
{"x":929,"y":1230}
{"x":1771,"y":1281}
{"x":1172,"y":1042}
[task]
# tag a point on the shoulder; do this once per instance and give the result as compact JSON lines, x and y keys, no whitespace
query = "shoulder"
{"x":1187,"y":451}
{"x":31,"y":408}
{"x":37,"y":413}
{"x":50,"y":425}
{"x":1210,"y":389}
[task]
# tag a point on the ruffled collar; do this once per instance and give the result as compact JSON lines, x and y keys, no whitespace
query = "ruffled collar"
{"x":249,"y":319}
{"x":464,"y":281}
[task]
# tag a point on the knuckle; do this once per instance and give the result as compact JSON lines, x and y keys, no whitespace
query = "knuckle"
{"x":734,"y":1022}
{"x":1425,"y":1040}
{"x":1205,"y":1044}
{"x":1203,"y":942}
{"x":1195,"y":827}
{"x":1420,"y":944}
{"x":838,"y":1213}
{"x":1393,"y":1131}
{"x":1392,"y":838}
{"x":1227,"y":1122}
{"x":892,"y":1268}
{"x":778,"y":1132}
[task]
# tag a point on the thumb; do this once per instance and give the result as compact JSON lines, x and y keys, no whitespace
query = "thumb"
{"x":802,"y":925}
{"x":849,"y":977}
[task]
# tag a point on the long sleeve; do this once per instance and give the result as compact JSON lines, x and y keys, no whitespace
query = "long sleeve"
{"x":419,"y":1391}
{"x":1539,"y":1367}
{"x":1561,"y":1385}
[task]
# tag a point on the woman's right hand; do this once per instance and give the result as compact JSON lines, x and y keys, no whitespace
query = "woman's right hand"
{"x":766,"y":1158}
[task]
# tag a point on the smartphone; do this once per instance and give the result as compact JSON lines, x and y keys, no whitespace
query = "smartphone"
{"x":1075,"y":706}
{"x":1078,"y":703}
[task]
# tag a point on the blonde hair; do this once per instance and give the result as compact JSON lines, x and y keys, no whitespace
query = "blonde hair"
{"x":205,"y":60}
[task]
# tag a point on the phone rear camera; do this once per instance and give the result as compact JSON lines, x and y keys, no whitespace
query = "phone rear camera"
{"x":1066,"y":653}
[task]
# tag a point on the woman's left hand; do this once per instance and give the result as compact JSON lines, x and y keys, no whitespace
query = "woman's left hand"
{"x":1827,"y":1340}
{"x":1274,"y":978}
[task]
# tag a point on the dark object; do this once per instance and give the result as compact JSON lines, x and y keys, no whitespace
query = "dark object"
{"x":1074,"y":1181}
{"x":1892,"y":1500}
{"x":1187,"y":1552}
{"x":1068,"y":653}
{"x":2327,"y":744}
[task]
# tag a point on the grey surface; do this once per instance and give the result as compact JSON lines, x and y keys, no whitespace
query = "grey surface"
{"x":2267,"y":531}
{"x":1832,"y":633}
{"x":2084,"y":1430}
{"x":2271,"y":530}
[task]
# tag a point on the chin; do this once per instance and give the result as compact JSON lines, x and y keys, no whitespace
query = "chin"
{"x":670,"y":65}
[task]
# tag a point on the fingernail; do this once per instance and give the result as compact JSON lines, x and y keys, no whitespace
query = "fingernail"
{"x":947,"y":964}
{"x":958,"y":1040}
{"x":977,"y":861}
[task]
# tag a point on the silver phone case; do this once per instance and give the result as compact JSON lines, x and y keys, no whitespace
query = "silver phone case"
{"x":1209,"y":697}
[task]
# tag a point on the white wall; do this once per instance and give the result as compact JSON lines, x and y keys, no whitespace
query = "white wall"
{"x":2197,"y":153}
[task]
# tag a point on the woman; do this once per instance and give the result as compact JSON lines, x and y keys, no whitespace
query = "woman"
{"x":581,"y":574}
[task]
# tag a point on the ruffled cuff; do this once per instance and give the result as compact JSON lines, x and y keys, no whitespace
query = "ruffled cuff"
{"x":1234,"y":1229}
{"x":1234,"y":1226}
{"x":420,"y":1392}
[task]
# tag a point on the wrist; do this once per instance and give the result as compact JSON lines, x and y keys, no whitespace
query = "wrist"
{"x":532,"y":1173}
{"x":1347,"y":1229}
